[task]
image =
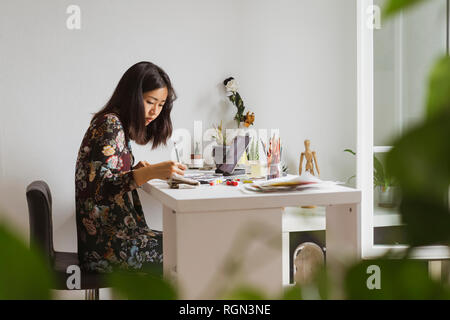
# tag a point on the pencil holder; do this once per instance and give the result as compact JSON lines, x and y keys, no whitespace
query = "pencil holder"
{"x":273,"y":170}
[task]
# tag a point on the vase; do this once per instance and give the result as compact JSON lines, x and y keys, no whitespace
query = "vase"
{"x":273,"y":170}
{"x":387,"y":196}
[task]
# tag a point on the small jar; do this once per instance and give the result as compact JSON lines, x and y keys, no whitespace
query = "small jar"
{"x":257,"y":169}
{"x":273,"y":170}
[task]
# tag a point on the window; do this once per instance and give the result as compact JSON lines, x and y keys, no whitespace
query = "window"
{"x":393,"y":66}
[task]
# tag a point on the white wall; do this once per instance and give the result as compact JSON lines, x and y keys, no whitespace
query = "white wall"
{"x":295,"y":61}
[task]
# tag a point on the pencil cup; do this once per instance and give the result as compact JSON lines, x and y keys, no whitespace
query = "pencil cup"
{"x":273,"y":170}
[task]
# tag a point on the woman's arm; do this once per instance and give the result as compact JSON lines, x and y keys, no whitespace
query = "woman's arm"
{"x":162,"y":170}
{"x":106,"y":164}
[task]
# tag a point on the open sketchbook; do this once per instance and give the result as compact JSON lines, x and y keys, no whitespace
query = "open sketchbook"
{"x":288,"y":183}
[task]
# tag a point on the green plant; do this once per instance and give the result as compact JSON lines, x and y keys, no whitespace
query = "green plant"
{"x":380,"y":177}
{"x":221,"y":135}
{"x":254,"y":151}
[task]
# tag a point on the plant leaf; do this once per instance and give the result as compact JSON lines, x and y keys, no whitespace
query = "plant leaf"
{"x":439,"y":87}
{"x":426,"y":220}
{"x":378,"y":173}
{"x":142,"y":286}
{"x":420,"y":160}
{"x":24,"y":274}
{"x":398,"y":279}
{"x":350,"y":151}
{"x":393,"y":7}
{"x":421,"y":163}
{"x":292,"y":293}
{"x":246,"y":293}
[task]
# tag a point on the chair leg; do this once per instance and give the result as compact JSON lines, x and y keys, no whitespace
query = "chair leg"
{"x":92,"y":294}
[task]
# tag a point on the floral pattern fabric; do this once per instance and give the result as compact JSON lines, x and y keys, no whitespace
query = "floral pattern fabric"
{"x":111,"y":229}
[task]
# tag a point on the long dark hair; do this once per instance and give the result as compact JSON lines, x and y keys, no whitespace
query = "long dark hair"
{"x":127,"y":103}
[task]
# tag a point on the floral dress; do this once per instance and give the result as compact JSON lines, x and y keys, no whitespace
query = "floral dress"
{"x":112,"y":232}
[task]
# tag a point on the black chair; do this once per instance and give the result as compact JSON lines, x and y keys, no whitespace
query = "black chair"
{"x":39,"y":200}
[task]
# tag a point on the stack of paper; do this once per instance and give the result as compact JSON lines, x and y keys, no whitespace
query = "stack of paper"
{"x":290,"y":182}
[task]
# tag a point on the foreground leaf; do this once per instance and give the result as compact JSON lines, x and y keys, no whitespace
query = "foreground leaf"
{"x":24,"y":274}
{"x":397,"y":279}
{"x":420,"y":161}
{"x":438,"y":100}
{"x":246,"y":293}
{"x":393,"y":7}
{"x":141,"y":286}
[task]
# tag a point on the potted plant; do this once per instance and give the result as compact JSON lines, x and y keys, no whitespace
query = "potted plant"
{"x":255,"y":166}
{"x":383,"y":182}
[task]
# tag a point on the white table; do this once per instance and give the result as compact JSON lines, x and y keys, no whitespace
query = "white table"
{"x":207,"y":228}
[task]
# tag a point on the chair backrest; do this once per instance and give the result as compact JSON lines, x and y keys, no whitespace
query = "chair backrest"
{"x":39,"y":201}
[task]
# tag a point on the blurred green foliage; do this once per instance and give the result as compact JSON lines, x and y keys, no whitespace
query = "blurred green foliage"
{"x":438,"y":101}
{"x":146,"y":285}
{"x":400,"y":279}
{"x":394,"y":7}
{"x":317,"y":288}
{"x":420,"y":161}
{"x":24,"y":274}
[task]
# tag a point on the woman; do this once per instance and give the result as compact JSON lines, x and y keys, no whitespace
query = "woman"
{"x":112,"y":232}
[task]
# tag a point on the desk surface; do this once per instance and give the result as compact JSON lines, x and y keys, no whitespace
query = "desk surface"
{"x":222,"y":197}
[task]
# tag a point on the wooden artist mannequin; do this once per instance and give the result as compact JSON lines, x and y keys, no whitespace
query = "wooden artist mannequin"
{"x":309,"y":156}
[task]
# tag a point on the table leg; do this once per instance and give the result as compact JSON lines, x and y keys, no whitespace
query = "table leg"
{"x":169,"y":243}
{"x":343,"y":241}
{"x":286,"y":258}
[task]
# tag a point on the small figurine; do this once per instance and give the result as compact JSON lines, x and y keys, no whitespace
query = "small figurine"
{"x":309,"y":156}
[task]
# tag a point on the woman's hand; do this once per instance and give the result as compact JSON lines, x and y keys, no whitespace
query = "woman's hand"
{"x":145,"y":171}
{"x":141,"y":164}
{"x":165,"y":170}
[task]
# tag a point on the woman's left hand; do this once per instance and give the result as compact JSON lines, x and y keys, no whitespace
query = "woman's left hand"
{"x":141,"y":164}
